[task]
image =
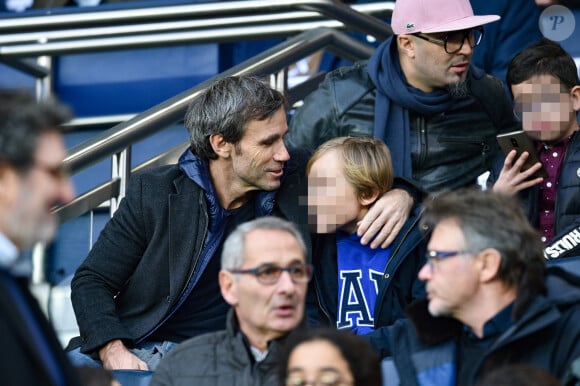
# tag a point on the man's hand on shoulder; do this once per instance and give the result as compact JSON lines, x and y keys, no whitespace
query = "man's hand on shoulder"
{"x":385,"y":218}
{"x":116,"y":356}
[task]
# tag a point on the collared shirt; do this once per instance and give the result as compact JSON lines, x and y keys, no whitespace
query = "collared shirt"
{"x":472,"y":348}
{"x":12,"y":260}
{"x":552,"y":158}
{"x":259,"y":356}
{"x":8,"y":253}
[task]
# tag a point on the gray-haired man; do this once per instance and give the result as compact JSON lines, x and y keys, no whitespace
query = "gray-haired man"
{"x":264,"y":277}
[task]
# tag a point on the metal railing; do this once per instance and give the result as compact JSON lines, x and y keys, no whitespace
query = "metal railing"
{"x":120,"y":138}
{"x":107,"y":30}
{"x":83,"y":18}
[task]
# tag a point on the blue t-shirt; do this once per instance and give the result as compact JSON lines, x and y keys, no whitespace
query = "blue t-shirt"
{"x":360,"y":270}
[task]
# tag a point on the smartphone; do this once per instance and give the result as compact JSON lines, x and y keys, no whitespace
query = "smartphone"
{"x":519,"y":141}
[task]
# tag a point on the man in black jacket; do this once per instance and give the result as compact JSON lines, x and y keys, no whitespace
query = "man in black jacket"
{"x":264,"y":278}
{"x":32,"y":181}
{"x":490,"y":301}
{"x":150,"y":280}
{"x":419,"y":93}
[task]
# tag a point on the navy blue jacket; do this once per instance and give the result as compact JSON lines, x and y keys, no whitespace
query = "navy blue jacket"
{"x":547,"y":335}
{"x":398,"y":287}
{"x":21,"y":361}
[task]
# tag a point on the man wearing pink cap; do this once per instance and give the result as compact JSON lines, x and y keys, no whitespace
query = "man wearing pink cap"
{"x":420,"y":94}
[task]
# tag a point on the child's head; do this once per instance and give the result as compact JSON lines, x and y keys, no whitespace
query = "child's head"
{"x":543,"y":79}
{"x":328,"y":356}
{"x":346,"y":175}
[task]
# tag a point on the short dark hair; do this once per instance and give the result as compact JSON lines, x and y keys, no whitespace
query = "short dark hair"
{"x":226,"y":107}
{"x":518,"y":374}
{"x":544,"y":57}
{"x":22,"y":120}
{"x":493,"y":220}
{"x":363,"y":362}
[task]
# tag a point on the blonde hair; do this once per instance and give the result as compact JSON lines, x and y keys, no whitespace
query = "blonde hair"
{"x":367,"y":164}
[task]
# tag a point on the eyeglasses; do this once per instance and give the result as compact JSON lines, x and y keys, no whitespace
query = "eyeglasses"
{"x":269,"y":274}
{"x":546,"y":102}
{"x":329,"y":379}
{"x":453,"y":41}
{"x":433,"y":256}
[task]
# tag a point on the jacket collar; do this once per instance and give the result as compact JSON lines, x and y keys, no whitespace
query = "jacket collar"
{"x":197,"y":170}
{"x":563,"y":290}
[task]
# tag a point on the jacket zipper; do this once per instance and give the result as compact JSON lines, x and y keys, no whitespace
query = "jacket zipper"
{"x":192,"y":270}
{"x":385,"y":274}
{"x":422,"y":139}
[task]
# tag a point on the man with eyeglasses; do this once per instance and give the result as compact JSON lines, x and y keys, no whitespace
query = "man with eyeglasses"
{"x":32,"y":182}
{"x":420,"y":94}
{"x":490,"y":299}
{"x":264,"y":277}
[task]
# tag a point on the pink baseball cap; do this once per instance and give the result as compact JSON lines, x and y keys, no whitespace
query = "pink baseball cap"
{"x":427,"y":16}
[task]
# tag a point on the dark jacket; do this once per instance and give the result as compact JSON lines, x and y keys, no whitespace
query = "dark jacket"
{"x":398,"y":287}
{"x":449,"y":150}
{"x":22,"y":362}
{"x":567,"y":208}
{"x":217,"y":359}
{"x":147,"y":252}
{"x":546,"y":335}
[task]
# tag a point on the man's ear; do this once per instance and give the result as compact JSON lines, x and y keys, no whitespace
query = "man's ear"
{"x":8,"y":177}
{"x":368,"y":199}
{"x":575,"y":95}
{"x":406,"y":45}
{"x":228,"y":287}
{"x":220,"y":146}
{"x":490,"y":262}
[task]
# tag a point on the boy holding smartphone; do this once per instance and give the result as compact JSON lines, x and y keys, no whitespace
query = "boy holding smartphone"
{"x":543,"y":80}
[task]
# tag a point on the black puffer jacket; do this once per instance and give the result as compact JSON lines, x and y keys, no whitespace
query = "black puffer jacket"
{"x":449,"y":150}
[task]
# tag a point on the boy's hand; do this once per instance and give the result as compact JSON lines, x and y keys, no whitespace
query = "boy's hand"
{"x":512,"y":179}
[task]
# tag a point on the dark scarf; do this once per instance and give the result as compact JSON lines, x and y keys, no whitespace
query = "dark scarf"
{"x":395,"y":97}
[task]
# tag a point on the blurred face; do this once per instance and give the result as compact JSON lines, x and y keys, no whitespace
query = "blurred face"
{"x":332,"y":201}
{"x":29,"y":198}
{"x":547,"y":110}
{"x":436,"y":69}
{"x":258,"y":159}
{"x":317,"y":362}
{"x":266,"y":311}
{"x":451,"y":283}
